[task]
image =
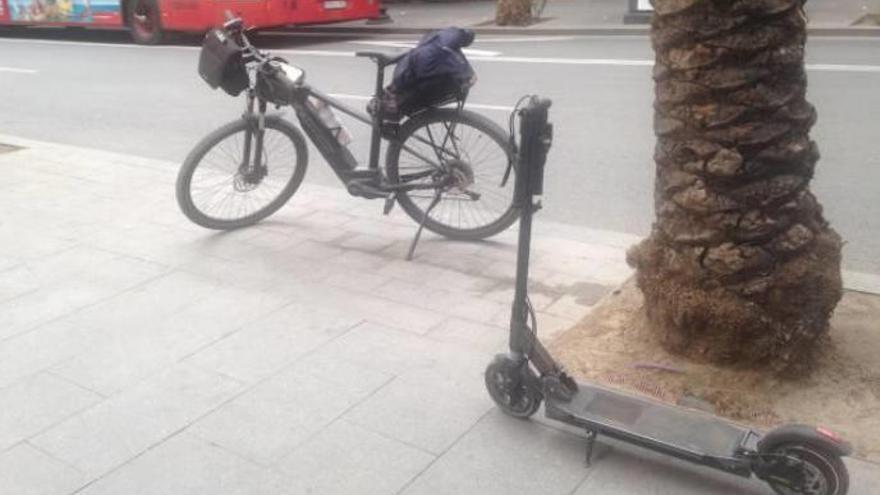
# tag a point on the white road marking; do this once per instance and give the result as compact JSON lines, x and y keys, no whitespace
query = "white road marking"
{"x":650,"y":63}
{"x":477,"y":106}
{"x":526,"y":39}
{"x":96,"y":43}
{"x":608,"y":62}
{"x":16,"y":70}
{"x":843,"y":68}
{"x":568,"y":61}
{"x":479,"y":38}
{"x":315,"y":53}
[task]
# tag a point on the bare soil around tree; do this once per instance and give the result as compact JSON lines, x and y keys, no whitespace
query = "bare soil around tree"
{"x":614,"y":346}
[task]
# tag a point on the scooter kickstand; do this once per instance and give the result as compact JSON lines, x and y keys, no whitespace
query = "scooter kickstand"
{"x":591,"y":439}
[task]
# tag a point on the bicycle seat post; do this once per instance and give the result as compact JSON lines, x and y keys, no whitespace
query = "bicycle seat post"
{"x":378,"y":116}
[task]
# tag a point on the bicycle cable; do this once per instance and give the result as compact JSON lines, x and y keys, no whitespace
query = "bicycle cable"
{"x":512,"y":120}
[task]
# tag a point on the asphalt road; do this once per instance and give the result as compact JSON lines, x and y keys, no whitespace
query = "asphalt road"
{"x":95,"y":89}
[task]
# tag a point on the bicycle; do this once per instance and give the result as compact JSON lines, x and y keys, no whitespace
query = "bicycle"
{"x":450,"y":169}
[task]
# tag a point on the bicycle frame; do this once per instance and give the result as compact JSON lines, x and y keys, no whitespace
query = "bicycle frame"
{"x":338,"y":156}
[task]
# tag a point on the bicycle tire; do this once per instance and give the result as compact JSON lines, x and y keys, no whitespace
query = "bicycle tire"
{"x":194,"y":159}
{"x":443,"y":115}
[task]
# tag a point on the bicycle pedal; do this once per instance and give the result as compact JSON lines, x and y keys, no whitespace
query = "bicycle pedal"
{"x":389,"y":203}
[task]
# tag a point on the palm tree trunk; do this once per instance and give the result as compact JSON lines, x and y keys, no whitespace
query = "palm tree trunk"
{"x":741,"y":267}
{"x":513,"y":12}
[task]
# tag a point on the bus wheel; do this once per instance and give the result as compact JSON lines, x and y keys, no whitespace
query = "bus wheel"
{"x":142,"y":17}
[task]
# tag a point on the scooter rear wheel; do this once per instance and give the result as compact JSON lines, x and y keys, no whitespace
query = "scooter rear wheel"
{"x":825,"y":472}
{"x":511,"y":384}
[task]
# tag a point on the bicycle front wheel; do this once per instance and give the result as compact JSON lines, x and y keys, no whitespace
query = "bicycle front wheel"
{"x":468,"y":159}
{"x":223,"y":184}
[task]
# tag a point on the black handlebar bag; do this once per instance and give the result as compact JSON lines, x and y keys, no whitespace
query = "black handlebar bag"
{"x":221,"y":63}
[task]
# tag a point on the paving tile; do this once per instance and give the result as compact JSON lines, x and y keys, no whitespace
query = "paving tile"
{"x":471,"y":335}
{"x":36,"y":403}
{"x":264,"y":270}
{"x":24,"y":313}
{"x":431,"y":408}
{"x":864,"y":476}
{"x":30,"y":243}
{"x":382,"y":348}
{"x":185,"y":465}
{"x":502,"y":455}
{"x":358,"y":260}
{"x":378,"y":310}
{"x":25,"y":470}
{"x":358,"y":281}
{"x":147,"y":240}
{"x":273,"y":240}
{"x":271,"y":419}
{"x":345,"y":459}
{"x":541,"y":297}
{"x":458,"y":303}
{"x":325,"y":220}
{"x":368,"y":243}
{"x":314,"y":250}
{"x":122,"y":355}
{"x":113,"y":432}
{"x":16,"y":281}
{"x":265,"y":346}
{"x":38,"y":350}
{"x":548,"y":325}
{"x":472,"y":282}
{"x":415,"y":270}
{"x":71,"y":280}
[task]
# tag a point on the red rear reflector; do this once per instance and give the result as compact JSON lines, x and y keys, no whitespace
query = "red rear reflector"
{"x":825,"y":432}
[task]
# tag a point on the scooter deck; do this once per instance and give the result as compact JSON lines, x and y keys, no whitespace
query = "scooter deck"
{"x":682,"y":432}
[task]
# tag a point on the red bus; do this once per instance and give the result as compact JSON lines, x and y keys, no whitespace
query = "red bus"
{"x":148,"y":20}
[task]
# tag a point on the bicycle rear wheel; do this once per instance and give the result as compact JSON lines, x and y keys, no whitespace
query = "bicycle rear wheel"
{"x":216,"y":192}
{"x":469,"y":158}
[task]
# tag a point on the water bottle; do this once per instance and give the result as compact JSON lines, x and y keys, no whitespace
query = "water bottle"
{"x":329,"y":119}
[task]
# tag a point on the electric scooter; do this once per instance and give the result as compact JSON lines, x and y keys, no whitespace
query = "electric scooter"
{"x":792,"y":459}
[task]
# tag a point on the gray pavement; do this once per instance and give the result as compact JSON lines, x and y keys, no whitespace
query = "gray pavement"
{"x":140,"y":354}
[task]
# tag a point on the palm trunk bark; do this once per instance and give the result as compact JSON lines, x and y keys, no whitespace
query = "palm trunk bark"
{"x":513,"y":12}
{"x":740,"y":267}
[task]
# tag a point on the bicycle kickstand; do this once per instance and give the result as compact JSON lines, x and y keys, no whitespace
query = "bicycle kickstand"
{"x":412,"y":247}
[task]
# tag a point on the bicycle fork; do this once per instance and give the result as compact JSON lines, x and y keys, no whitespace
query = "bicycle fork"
{"x":251,"y":169}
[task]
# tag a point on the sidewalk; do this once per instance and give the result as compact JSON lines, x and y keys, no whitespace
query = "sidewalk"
{"x":570,"y":17}
{"x":140,"y":354}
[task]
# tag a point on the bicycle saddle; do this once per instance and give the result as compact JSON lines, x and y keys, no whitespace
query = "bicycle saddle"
{"x":380,"y":58}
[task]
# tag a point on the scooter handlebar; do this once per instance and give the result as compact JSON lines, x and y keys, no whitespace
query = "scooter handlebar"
{"x":536,"y":137}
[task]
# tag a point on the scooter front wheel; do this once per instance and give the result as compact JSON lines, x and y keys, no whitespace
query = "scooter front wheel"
{"x":512,"y":385}
{"x":822,"y":473}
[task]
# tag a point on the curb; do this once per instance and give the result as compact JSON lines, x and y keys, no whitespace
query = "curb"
{"x":617,"y":30}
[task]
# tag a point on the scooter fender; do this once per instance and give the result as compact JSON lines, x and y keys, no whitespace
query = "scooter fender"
{"x":819,"y":437}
